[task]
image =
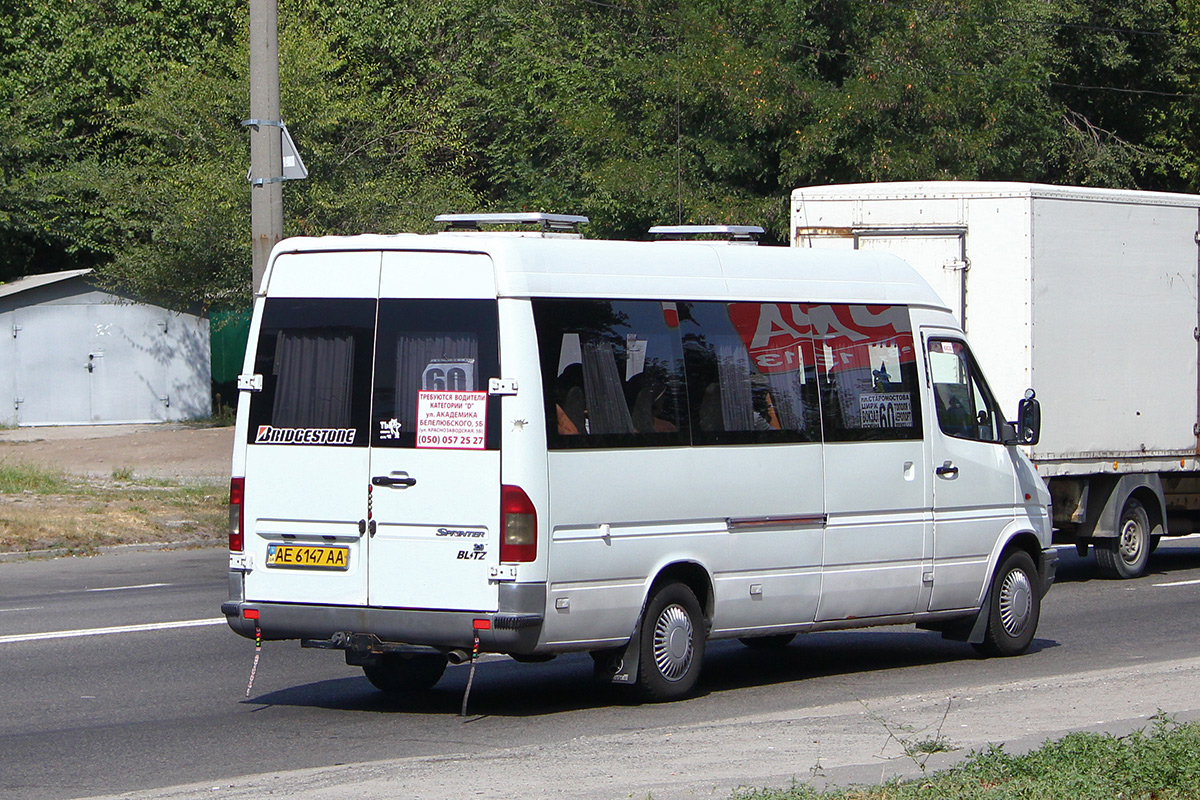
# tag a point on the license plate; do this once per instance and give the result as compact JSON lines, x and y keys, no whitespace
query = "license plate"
{"x":307,"y":556}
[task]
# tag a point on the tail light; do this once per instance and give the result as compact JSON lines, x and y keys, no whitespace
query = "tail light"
{"x":519,"y":525}
{"x":237,"y":520}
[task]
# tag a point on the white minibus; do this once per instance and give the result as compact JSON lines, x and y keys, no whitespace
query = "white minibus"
{"x":529,"y":443}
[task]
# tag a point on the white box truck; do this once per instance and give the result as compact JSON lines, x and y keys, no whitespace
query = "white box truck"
{"x":1087,"y":295}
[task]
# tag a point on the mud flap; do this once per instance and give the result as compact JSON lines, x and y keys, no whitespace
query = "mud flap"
{"x":620,"y":665}
{"x":979,"y":629}
{"x":973,"y":629}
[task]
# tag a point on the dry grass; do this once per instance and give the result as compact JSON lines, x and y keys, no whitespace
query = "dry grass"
{"x":46,"y":510}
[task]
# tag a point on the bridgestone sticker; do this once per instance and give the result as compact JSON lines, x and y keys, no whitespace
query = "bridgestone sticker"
{"x":890,"y":410}
{"x":270,"y":435}
{"x":452,"y":420}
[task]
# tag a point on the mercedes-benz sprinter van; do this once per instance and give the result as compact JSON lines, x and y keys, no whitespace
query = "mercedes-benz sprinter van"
{"x":530,"y":443}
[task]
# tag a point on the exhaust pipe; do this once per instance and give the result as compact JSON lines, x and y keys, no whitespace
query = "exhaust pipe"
{"x":458,"y":657}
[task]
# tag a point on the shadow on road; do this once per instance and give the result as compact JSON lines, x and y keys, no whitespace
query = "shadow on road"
{"x":506,"y":688}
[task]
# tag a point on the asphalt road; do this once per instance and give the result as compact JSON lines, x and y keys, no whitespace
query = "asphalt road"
{"x":162,"y":712}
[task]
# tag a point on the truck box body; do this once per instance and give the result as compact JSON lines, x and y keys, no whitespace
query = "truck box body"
{"x":1087,"y":295}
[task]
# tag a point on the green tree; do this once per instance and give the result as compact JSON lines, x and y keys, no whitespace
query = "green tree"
{"x":121,"y":146}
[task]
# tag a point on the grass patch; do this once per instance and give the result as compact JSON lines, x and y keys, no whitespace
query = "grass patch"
{"x":44,"y":509}
{"x":22,"y":477}
{"x":1160,"y":764}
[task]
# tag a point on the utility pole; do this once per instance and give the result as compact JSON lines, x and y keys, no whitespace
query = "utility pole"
{"x":266,"y":128}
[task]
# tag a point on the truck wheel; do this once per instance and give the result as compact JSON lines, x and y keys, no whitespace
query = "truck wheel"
{"x":1126,"y":555}
{"x":672,"y":644}
{"x":1014,"y":607}
{"x":772,"y":642}
{"x":396,"y":673}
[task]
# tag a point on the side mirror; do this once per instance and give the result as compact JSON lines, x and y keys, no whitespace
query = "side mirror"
{"x":1029,"y":419}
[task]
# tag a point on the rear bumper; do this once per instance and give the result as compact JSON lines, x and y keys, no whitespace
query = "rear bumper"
{"x":514,"y":629}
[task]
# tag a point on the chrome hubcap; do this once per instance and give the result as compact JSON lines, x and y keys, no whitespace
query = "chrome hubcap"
{"x":673,"y":637}
{"x":1016,"y":602}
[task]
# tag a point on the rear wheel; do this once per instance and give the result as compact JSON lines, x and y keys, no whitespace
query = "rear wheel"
{"x":1014,"y":607}
{"x":396,"y":673}
{"x":1126,"y":555}
{"x":672,"y":644}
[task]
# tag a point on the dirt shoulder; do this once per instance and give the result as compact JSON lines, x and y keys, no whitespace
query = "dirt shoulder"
{"x":81,"y":489}
{"x":163,"y":450}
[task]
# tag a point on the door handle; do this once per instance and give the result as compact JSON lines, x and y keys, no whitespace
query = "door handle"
{"x":947,"y":470}
{"x":388,"y":480}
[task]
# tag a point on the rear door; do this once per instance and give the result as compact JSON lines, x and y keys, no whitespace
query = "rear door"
{"x":939,"y":255}
{"x":307,"y":455}
{"x":435,"y":436}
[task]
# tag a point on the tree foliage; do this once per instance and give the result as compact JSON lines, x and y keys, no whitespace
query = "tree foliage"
{"x":121,"y":146}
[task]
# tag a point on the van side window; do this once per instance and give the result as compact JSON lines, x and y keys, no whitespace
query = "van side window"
{"x":868,"y":367}
{"x":432,"y":364}
{"x":751,"y":373}
{"x":965,"y":409}
{"x":612,"y":372}
{"x":314,"y":356}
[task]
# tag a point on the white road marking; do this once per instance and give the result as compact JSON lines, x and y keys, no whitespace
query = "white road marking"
{"x":26,"y":608}
{"x":152,"y":626}
{"x":123,"y":588}
{"x":1179,"y":583}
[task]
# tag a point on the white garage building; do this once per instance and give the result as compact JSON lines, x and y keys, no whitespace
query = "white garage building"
{"x":72,"y":353}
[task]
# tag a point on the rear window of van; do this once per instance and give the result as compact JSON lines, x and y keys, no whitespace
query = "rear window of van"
{"x":390,"y":373}
{"x":314,"y":356}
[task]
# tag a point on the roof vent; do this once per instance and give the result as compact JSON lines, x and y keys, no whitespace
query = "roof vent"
{"x":714,"y":234}
{"x":547,"y":225}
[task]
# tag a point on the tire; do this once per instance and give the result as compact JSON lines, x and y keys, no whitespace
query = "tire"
{"x":397,"y":673}
{"x":1014,"y":607}
{"x":1126,"y":555}
{"x":672,"y":642}
{"x":772,"y":642}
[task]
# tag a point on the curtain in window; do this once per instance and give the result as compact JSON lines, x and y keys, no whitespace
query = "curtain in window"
{"x":786,"y":400}
{"x":315,"y":381}
{"x":737,"y":403}
{"x":602,"y":387}
{"x":417,"y":352}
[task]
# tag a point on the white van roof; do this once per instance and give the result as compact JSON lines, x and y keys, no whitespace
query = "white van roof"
{"x":538,"y":267}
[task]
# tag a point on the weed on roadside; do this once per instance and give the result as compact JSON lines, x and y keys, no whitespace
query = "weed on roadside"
{"x":44,"y":509}
{"x":1160,"y":764}
{"x":22,"y":477}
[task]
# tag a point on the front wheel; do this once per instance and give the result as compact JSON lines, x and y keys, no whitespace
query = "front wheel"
{"x":671,"y":644}
{"x":1126,"y":555}
{"x":396,"y":673}
{"x":1014,"y":607}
